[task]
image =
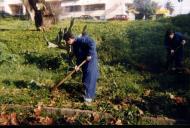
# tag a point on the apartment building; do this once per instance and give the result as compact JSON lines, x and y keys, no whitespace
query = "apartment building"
{"x":12,"y":7}
{"x":101,"y":9}
{"x":16,"y":7}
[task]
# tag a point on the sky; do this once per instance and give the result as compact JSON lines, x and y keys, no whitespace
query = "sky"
{"x":180,"y":8}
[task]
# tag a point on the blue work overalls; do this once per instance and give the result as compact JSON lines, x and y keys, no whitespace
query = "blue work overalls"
{"x":176,"y":45}
{"x":84,"y":46}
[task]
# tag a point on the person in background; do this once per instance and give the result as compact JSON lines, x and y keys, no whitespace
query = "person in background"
{"x":39,"y":9}
{"x":174,"y":42}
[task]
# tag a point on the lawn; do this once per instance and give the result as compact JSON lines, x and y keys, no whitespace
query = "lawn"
{"x":126,"y":89}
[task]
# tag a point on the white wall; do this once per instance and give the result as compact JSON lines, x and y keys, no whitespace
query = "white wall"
{"x":115,"y":7}
{"x":82,"y":3}
{"x":7,"y":2}
{"x":112,"y":8}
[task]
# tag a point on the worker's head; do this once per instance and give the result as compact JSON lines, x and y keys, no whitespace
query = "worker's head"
{"x":69,"y":38}
{"x":170,"y":33}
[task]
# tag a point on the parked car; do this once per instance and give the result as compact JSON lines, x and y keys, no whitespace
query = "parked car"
{"x":87,"y":17}
{"x":119,"y":17}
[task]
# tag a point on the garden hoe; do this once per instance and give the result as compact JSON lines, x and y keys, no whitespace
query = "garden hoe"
{"x":55,"y":87}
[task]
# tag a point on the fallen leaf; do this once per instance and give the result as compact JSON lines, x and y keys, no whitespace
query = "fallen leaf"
{"x":52,"y":103}
{"x":171,"y":96}
{"x":112,"y":121}
{"x":177,"y":99}
{"x":14,"y":120}
{"x":147,"y":92}
{"x":180,"y":100}
{"x":127,"y":100}
{"x":116,"y":107}
{"x":4,"y":119}
{"x":40,"y":119}
{"x":118,"y":122}
{"x":96,"y":117}
{"x":5,"y":123}
{"x":47,"y":121}
{"x":71,"y":120}
{"x":3,"y":108}
{"x":37,"y":111}
{"x":187,"y":71}
{"x":140,"y":112}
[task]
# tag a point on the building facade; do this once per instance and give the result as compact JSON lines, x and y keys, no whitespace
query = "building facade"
{"x":17,"y":8}
{"x":12,"y":7}
{"x":101,"y":9}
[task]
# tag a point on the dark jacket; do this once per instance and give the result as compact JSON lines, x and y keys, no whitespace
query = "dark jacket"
{"x":174,"y":43}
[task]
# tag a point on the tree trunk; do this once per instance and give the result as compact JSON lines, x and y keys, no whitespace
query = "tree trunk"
{"x":29,"y":9}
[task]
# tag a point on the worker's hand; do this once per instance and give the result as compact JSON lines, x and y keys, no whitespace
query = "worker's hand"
{"x":183,"y":42}
{"x":88,"y":58}
{"x":77,"y":68}
{"x":172,"y":51}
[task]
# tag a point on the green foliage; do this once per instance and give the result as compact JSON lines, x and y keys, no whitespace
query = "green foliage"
{"x":28,"y":68}
{"x":5,"y":55}
{"x":182,"y":21}
{"x":146,"y":41}
{"x":145,"y":8}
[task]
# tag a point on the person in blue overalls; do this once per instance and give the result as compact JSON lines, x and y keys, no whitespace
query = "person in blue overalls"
{"x":174,"y":42}
{"x":84,"y":48}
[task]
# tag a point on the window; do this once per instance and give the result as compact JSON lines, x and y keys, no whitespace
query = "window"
{"x":16,"y":9}
{"x":95,"y":7}
{"x":75,"y":8}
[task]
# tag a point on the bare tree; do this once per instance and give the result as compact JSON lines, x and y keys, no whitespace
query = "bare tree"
{"x":146,"y":8}
{"x":170,"y":7}
{"x":29,"y":8}
{"x":50,"y":13}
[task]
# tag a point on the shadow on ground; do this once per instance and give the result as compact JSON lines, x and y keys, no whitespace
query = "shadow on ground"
{"x":75,"y":91}
{"x":43,"y":61}
{"x":21,"y":84}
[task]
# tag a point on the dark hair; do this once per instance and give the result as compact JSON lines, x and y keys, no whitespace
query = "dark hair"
{"x":68,"y":35}
{"x":169,"y":32}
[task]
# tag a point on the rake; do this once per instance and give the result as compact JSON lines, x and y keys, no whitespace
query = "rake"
{"x":55,"y":87}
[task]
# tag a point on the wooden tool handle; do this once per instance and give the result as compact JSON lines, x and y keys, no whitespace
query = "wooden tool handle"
{"x":73,"y":71}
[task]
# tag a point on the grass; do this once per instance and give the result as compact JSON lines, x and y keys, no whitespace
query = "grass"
{"x":25,"y":58}
{"x":28,"y":68}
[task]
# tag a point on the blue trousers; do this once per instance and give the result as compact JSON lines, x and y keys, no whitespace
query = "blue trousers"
{"x":89,"y":79}
{"x":176,"y":58}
